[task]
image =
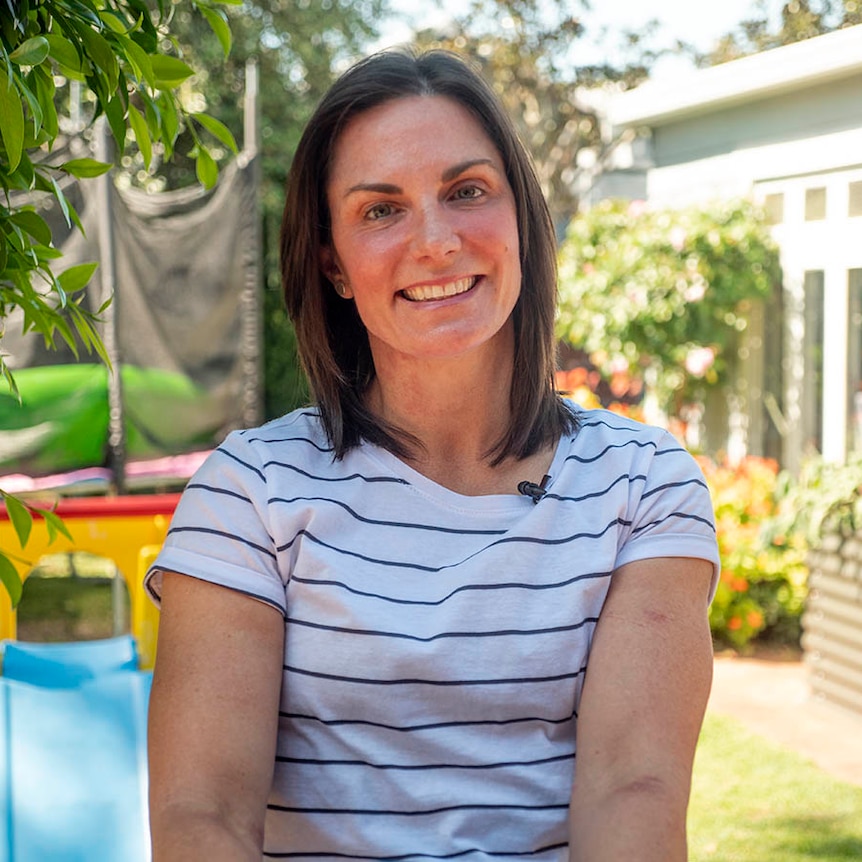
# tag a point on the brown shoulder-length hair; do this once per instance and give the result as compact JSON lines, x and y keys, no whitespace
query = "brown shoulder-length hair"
{"x":333,"y":343}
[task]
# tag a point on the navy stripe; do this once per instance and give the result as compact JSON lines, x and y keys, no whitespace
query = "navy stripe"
{"x":199,"y":486}
{"x":667,"y":485}
{"x":640,"y":477}
{"x":242,"y":463}
{"x":675,"y":450}
{"x":508,"y":540}
{"x":394,"y":813}
{"x":596,"y":422}
{"x":425,"y":767}
{"x":382,"y":523}
{"x":684,"y":515}
{"x":466,"y":588}
{"x":325,"y":449}
{"x":641,"y":445}
{"x":495,"y":853}
{"x":393,"y":480}
{"x":438,"y":682}
{"x":386,"y":634}
{"x":210,"y":532}
{"x":337,"y":722}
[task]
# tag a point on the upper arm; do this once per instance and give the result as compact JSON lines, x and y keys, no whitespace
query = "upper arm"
{"x":648,"y":679}
{"x":214,"y":707}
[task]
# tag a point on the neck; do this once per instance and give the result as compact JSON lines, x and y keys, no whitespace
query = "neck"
{"x":456,"y":410}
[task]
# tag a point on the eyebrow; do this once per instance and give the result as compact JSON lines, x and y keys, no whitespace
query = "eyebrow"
{"x":448,"y":175}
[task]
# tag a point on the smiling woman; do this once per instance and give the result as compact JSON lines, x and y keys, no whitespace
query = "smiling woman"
{"x":378,"y":612}
{"x":431,"y":255}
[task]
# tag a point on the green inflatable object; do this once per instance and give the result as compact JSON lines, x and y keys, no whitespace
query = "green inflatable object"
{"x":61,"y":422}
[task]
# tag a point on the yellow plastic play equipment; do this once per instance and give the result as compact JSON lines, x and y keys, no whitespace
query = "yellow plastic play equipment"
{"x":127,"y":529}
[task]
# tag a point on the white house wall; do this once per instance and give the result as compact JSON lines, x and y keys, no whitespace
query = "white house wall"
{"x":784,"y":143}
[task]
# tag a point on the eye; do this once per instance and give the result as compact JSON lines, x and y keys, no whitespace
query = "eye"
{"x":379,"y":211}
{"x":468,"y":193}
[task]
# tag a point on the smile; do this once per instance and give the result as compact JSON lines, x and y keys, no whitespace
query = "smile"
{"x":427,"y":292}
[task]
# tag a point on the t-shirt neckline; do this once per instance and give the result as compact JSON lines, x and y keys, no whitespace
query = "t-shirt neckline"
{"x":452,"y":499}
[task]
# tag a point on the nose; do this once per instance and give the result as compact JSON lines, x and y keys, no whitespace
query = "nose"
{"x":435,"y":234}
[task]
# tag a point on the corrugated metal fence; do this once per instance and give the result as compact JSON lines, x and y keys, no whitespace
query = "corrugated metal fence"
{"x":832,"y":623}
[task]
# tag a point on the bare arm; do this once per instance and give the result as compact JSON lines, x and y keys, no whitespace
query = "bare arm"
{"x":213,"y":722}
{"x":643,"y":703}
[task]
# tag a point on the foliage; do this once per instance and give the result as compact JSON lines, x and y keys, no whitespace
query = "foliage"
{"x":825,"y":497}
{"x":528,"y":51}
{"x":762,"y":586}
{"x":125,"y":56}
{"x":586,"y":386}
{"x":662,"y":294}
{"x":755,"y":801}
{"x":21,"y":515}
{"x":799,"y":19}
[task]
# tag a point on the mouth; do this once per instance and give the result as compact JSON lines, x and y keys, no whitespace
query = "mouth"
{"x":429,"y":292}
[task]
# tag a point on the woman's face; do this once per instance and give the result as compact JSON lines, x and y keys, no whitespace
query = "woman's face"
{"x":424,"y":230}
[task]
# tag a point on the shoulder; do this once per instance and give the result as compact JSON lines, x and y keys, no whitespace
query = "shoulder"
{"x":615,"y":443}
{"x":599,"y":428}
{"x":296,"y":436}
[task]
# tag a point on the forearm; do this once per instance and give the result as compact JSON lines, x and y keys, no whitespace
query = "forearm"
{"x":183,"y":834}
{"x":643,"y":820}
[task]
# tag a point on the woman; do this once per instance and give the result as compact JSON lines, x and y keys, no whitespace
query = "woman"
{"x":377,"y":613}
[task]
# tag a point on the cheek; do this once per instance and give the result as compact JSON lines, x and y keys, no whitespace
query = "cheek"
{"x":364,"y":258}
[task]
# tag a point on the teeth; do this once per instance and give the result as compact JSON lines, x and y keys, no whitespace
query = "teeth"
{"x":439,"y":291}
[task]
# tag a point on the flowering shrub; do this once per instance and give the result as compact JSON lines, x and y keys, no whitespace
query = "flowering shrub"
{"x":662,"y":294}
{"x":585,"y":385}
{"x":762,"y":586}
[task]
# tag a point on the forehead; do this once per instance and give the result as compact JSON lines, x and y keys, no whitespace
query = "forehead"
{"x":410,"y":132}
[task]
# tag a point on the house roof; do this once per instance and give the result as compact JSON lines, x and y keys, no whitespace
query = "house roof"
{"x":802,"y":64}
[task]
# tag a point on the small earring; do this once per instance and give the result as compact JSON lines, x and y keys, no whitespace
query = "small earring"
{"x":341,"y":289}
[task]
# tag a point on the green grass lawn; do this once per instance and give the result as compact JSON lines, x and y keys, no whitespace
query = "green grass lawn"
{"x":753,"y":801}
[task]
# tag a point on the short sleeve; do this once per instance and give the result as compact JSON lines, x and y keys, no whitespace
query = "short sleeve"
{"x":672,"y":516}
{"x":219,"y":532}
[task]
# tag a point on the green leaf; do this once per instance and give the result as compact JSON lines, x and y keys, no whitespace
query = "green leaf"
{"x":102,"y":54}
{"x":31,"y":53}
{"x":218,"y":130}
{"x":206,"y":168}
{"x":43,"y":83}
{"x":229,"y":2}
{"x":19,"y":515}
{"x":76,"y":277}
{"x":152,"y":115}
{"x":218,"y":22}
{"x":139,"y":61}
{"x":85,"y":168}
{"x":142,"y":135}
{"x":66,"y":55}
{"x":34,"y":225}
{"x":54,"y":524}
{"x":61,"y":200}
{"x":115,"y":22}
{"x":11,"y":579}
{"x":169,"y":72}
{"x":12,"y":127}
{"x":115,"y":112}
{"x":35,"y":108}
{"x":169,"y":122}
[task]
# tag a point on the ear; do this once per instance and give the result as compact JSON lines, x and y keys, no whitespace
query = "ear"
{"x":329,"y":264}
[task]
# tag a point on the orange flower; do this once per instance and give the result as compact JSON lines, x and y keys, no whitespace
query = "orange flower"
{"x":734,"y":624}
{"x":739,"y":585}
{"x":754,"y":619}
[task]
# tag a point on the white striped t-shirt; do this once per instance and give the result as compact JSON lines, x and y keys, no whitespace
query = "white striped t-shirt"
{"x":436,"y":644}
